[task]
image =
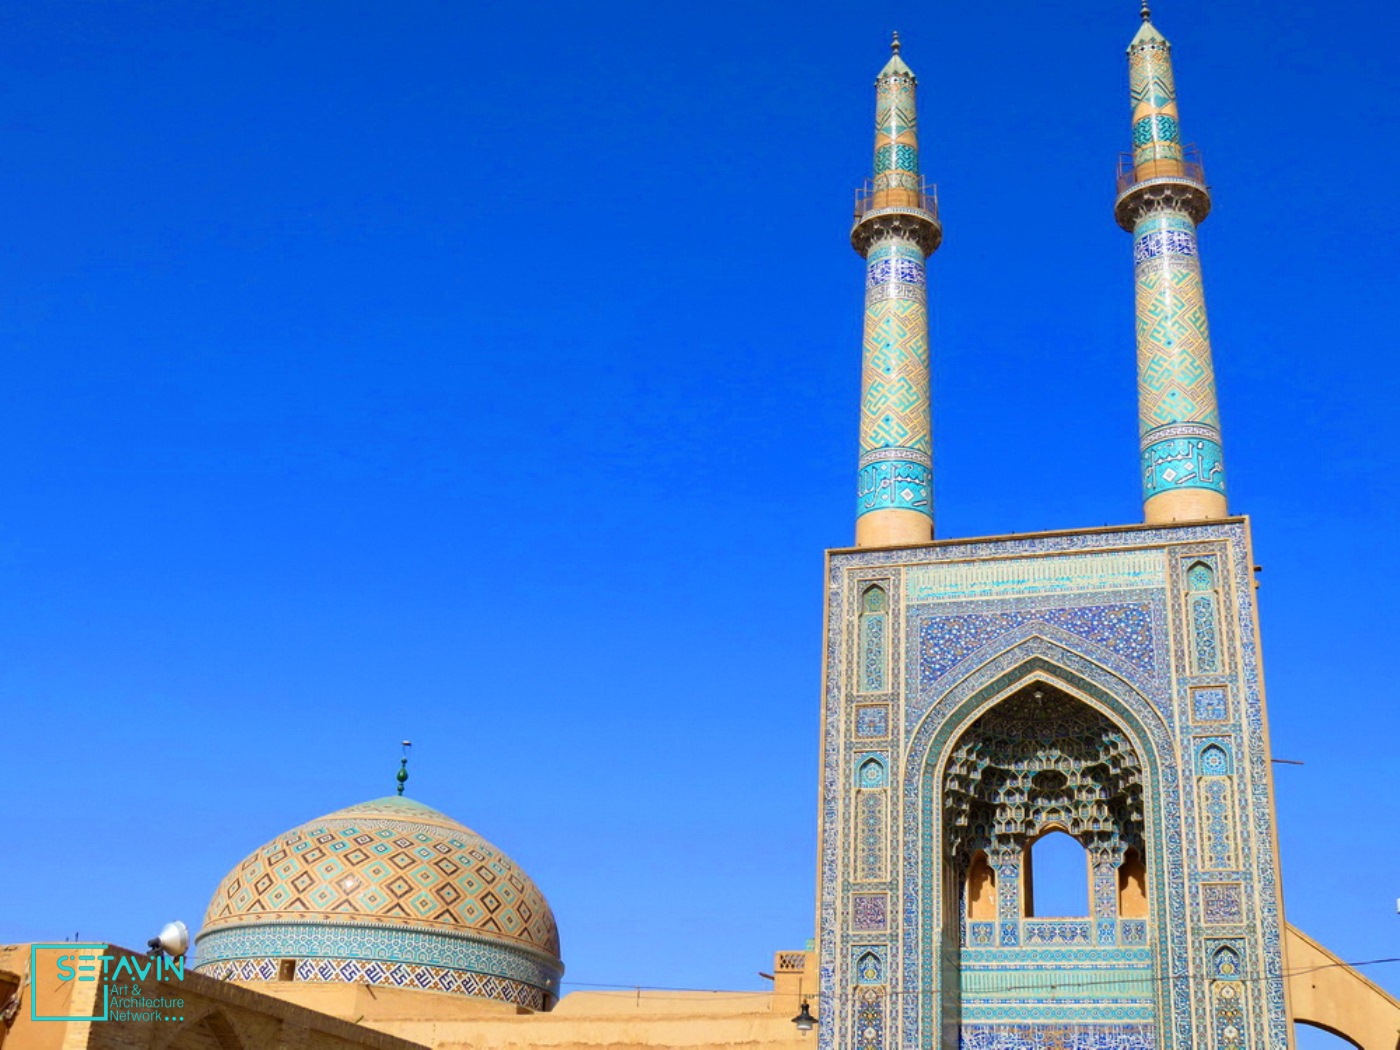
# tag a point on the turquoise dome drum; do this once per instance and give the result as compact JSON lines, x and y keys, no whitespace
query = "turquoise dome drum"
{"x":388,"y":892}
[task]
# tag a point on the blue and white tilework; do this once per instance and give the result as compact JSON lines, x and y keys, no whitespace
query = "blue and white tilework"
{"x":873,"y":721}
{"x":1210,"y":704}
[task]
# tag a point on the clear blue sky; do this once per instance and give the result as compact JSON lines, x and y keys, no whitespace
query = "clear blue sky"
{"x":487,"y":375}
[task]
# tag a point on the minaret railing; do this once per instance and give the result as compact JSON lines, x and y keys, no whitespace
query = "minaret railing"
{"x":1190,"y":166}
{"x":869,"y":199}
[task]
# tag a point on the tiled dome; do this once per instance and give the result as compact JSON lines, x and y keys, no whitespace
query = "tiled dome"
{"x":386,"y":892}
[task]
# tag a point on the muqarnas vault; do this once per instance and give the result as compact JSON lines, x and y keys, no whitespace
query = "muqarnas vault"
{"x":979,"y":695}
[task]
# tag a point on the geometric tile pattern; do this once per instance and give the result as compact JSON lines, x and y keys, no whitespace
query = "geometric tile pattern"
{"x":1176,"y":378}
{"x":870,"y":813}
{"x":1215,"y":799}
{"x":1227,"y":1000}
{"x":896,"y":468}
{"x":391,"y":880}
{"x":1178,"y":413}
{"x":895,"y":409}
{"x":896,"y":127}
{"x":1123,"y":629}
{"x":340,"y":940}
{"x":396,"y":975}
{"x":873,"y":720}
{"x":1209,"y":704}
{"x":1156,"y":134}
{"x":1178,"y":417}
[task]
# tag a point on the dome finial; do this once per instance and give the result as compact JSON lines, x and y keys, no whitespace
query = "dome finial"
{"x":1146,"y":12}
{"x":402,"y":775}
{"x":894,"y":43}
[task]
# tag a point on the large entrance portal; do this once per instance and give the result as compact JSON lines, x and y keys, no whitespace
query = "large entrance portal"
{"x":1042,"y":765}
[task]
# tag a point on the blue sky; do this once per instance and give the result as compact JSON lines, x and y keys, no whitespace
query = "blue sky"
{"x":487,"y":375}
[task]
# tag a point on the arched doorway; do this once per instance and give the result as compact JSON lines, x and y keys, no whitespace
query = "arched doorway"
{"x":1043,"y":829}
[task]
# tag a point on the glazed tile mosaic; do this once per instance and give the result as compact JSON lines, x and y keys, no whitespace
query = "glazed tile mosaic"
{"x":397,"y":975}
{"x":395,"y":891}
{"x":1177,"y":409}
{"x":895,"y":470}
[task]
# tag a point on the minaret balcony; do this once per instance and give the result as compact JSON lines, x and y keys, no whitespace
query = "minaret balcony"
{"x":902,"y":211}
{"x":1189,"y":168}
{"x":1162,"y":183}
{"x":870,"y":199}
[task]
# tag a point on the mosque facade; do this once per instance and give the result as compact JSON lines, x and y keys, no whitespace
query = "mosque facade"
{"x":1104,"y":684}
{"x":978,"y":696}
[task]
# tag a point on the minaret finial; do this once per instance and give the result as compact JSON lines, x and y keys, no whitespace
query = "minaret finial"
{"x":402,"y":775}
{"x":894,"y":43}
{"x":1146,"y":12}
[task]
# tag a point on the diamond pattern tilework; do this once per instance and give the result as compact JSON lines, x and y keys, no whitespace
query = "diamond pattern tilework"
{"x":1156,"y":134}
{"x":400,"y":886}
{"x":408,"y":975}
{"x":385,"y":883}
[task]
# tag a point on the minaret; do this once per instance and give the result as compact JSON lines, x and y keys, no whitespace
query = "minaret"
{"x":896,"y":229}
{"x":1162,"y":197}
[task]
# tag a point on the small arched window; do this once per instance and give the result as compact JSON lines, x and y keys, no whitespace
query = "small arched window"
{"x":981,"y":888}
{"x":1132,"y":886}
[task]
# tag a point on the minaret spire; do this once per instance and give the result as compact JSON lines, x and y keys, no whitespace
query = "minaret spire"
{"x":1162,"y":197}
{"x":896,"y":229}
{"x":402,"y":775}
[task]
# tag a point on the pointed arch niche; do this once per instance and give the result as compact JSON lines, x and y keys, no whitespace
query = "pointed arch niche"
{"x":873,"y":661}
{"x":1040,"y":762}
{"x":1203,"y":616}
